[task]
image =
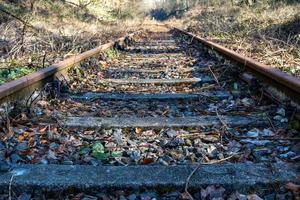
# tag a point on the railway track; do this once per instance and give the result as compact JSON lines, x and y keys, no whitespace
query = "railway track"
{"x":160,"y":118}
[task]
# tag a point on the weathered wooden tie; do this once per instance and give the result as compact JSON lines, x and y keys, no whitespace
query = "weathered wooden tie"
{"x":163,"y":122}
{"x":64,"y":177}
{"x":205,"y":79}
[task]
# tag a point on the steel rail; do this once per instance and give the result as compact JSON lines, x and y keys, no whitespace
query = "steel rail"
{"x":283,"y":79}
{"x":17,"y":85}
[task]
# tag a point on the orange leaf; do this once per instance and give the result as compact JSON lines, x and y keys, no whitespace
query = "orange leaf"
{"x":21,"y":138}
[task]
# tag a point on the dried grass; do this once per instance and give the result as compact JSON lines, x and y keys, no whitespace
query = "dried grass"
{"x":269,"y":34}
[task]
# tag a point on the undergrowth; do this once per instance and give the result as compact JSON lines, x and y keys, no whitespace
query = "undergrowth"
{"x":269,"y":33}
{"x":48,"y":31}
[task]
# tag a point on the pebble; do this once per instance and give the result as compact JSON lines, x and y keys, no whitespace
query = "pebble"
{"x":2,"y":155}
{"x":67,"y":162}
{"x":267,"y":132}
{"x":15,"y":158}
{"x":234,"y":147}
{"x":148,"y":196}
{"x":18,"y":131}
{"x":24,"y":196}
{"x":247,"y":102}
{"x":176,"y":142}
{"x":2,"y":146}
{"x":287,"y":155}
{"x":253,"y":133}
{"x":22,"y":146}
{"x":53,"y":145}
{"x":212,"y":151}
{"x":167,"y":158}
{"x":4,"y":167}
{"x":161,"y":161}
{"x":43,"y":162}
{"x":171,"y":133}
{"x":122,"y":198}
{"x":256,"y":142}
{"x":281,"y":111}
{"x":282,"y":149}
{"x":136,"y":156}
{"x":118,"y":136}
{"x":132,"y":197}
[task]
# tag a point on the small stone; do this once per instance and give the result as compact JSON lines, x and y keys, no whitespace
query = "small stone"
{"x":284,"y":120}
{"x":24,"y":196}
{"x":43,"y":162}
{"x":267,"y":132}
{"x":4,"y":167}
{"x":15,"y":158}
{"x":253,"y":133}
{"x":136,"y":156}
{"x":117,"y":134}
{"x":122,"y":198}
{"x":161,"y":161}
{"x":212,"y":151}
{"x":282,"y":149}
{"x":175,"y":142}
{"x":2,"y":146}
{"x":220,"y":156}
{"x":2,"y":155}
{"x":67,"y":162}
{"x":148,"y":196}
{"x":171,"y":133}
{"x":256,"y":142}
{"x":277,"y":117}
{"x":132,"y":197}
{"x":234,"y":147}
{"x":53,"y":145}
{"x":18,"y":130}
{"x":247,"y":102}
{"x":22,"y":146}
{"x":270,"y":197}
{"x":167,"y":158}
{"x":287,"y":155}
{"x":281,"y":111}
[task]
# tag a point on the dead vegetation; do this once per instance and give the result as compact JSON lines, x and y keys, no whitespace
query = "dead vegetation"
{"x":267,"y":32}
{"x":35,"y":34}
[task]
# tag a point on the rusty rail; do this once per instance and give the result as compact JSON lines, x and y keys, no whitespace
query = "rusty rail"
{"x":17,"y":85}
{"x":281,"y":78}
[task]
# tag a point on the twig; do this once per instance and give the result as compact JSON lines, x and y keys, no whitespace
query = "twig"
{"x":215,"y":77}
{"x":273,"y":127}
{"x":198,"y":166}
{"x":266,"y":138}
{"x":10,"y":186}
{"x":19,"y":19}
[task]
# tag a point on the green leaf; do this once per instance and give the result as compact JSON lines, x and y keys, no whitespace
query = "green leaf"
{"x":98,"y":147}
{"x":84,"y":150}
{"x":116,"y":154}
{"x":99,"y":152}
{"x":100,"y":155}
